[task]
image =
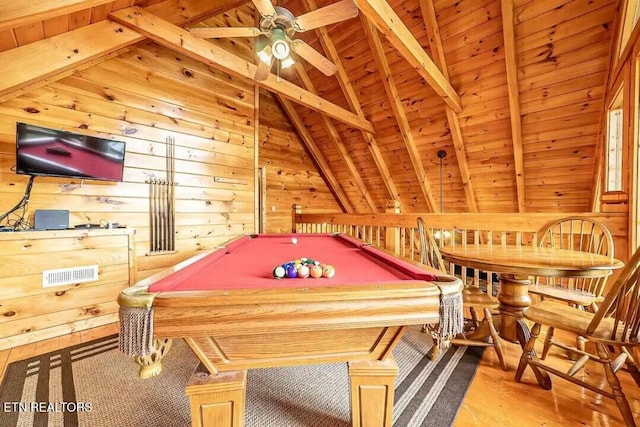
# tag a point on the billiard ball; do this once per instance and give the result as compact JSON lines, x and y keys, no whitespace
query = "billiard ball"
{"x":315,"y":271}
{"x":303,"y":272}
{"x":279,"y":272}
{"x":294,"y":240}
{"x":292,"y":272}
{"x":328,"y":271}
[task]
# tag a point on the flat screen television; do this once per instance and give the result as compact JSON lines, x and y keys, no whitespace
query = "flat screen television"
{"x":47,"y":152}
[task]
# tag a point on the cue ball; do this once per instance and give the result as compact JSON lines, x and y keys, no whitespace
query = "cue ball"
{"x":294,"y":240}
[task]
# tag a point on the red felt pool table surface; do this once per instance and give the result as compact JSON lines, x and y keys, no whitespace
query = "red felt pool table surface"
{"x":248,"y":263}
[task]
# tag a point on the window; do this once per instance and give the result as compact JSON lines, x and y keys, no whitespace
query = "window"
{"x":631,"y":15}
{"x":615,"y":145}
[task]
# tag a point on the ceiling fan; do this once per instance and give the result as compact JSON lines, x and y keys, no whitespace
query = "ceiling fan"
{"x":276,"y":32}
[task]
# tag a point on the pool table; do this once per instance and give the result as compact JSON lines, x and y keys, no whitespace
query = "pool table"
{"x":228,"y":307}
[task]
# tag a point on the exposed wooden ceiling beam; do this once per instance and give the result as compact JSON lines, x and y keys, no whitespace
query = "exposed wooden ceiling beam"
{"x":19,"y":13}
{"x":59,"y":76}
{"x":398,"y":110}
{"x":180,"y":40}
{"x":51,"y":58}
{"x":511,"y":61}
{"x":29,"y":64}
{"x":354,"y":103}
{"x":389,"y":23}
{"x":435,"y":42}
{"x":315,"y":153}
{"x":335,"y":137}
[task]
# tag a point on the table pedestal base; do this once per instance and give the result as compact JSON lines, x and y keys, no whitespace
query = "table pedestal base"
{"x":217,"y":400}
{"x":514,"y":300}
{"x":372,"y":387}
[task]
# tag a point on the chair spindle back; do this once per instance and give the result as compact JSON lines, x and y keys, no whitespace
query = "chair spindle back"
{"x":622,"y":303}
{"x":429,"y":252}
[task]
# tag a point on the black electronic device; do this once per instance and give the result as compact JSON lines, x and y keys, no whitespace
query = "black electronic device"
{"x":48,"y":152}
{"x":51,"y":219}
{"x":87,"y":226}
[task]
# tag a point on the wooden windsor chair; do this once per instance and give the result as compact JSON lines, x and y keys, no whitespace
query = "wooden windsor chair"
{"x":614,"y":329}
{"x":483,"y":333}
{"x":584,"y":293}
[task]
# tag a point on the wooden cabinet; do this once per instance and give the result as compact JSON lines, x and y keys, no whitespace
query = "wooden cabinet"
{"x":30,"y":312}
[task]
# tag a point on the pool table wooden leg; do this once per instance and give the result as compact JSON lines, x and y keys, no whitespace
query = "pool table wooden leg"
{"x":372,"y":388}
{"x":217,"y":400}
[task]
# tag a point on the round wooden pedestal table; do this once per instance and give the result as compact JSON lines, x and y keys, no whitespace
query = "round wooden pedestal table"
{"x":516,"y":264}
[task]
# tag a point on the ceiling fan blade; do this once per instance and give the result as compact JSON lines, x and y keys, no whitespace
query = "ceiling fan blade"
{"x":314,"y":57}
{"x":265,"y":8}
{"x":263,"y":70}
{"x":220,"y":32}
{"x":327,"y":15}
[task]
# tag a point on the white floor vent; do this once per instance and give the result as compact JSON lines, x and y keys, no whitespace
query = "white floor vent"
{"x":68,"y":276}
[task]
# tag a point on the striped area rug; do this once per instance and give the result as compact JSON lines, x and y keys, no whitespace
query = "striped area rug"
{"x":92,"y":384}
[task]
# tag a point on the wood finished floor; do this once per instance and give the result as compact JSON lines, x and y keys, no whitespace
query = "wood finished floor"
{"x":494,"y":398}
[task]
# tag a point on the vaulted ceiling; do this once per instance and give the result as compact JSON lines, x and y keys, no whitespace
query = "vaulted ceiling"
{"x":512,"y":90}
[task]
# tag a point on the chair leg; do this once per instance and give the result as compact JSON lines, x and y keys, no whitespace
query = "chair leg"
{"x":527,"y":341}
{"x":548,"y":342}
{"x":527,"y":351}
{"x":495,"y":337}
{"x":632,"y":364}
{"x":474,"y":318}
{"x":614,"y":383}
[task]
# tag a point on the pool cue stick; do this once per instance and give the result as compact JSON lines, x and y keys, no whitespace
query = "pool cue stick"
{"x":170,"y":192}
{"x":150,"y":214}
{"x":162,"y":215}
{"x":158,"y":216}
{"x":173,"y":195}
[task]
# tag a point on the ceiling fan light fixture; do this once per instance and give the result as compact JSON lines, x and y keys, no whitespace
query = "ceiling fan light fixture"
{"x":287,"y":62}
{"x":263,"y":49}
{"x":280,"y":49}
{"x":265,"y":55}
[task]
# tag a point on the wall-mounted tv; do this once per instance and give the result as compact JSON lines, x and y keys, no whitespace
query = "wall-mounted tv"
{"x":47,"y":152}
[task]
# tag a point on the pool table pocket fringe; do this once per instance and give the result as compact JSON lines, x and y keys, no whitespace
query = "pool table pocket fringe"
{"x":451,"y":316}
{"x":136,"y":331}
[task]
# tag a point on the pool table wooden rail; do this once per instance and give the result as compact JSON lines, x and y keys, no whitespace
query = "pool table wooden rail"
{"x":240,"y":329}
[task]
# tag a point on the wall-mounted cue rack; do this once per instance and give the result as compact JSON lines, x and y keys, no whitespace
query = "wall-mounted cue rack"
{"x":162,"y":210}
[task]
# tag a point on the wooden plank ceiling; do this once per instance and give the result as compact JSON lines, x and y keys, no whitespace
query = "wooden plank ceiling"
{"x":512,"y":90}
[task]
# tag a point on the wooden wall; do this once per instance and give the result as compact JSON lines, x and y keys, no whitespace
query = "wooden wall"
{"x":30,"y":312}
{"x":289,"y":173}
{"x":143,"y":97}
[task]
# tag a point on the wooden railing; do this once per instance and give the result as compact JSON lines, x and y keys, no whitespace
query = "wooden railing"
{"x":397,"y":231}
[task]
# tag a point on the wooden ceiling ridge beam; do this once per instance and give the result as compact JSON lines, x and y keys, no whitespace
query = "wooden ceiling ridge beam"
{"x":180,"y":40}
{"x":510,"y":57}
{"x":398,"y":110}
{"x":36,"y":64}
{"x":354,"y":103}
{"x":382,"y":15}
{"x":316,"y":154}
{"x":334,"y":135}
{"x":435,"y":43}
